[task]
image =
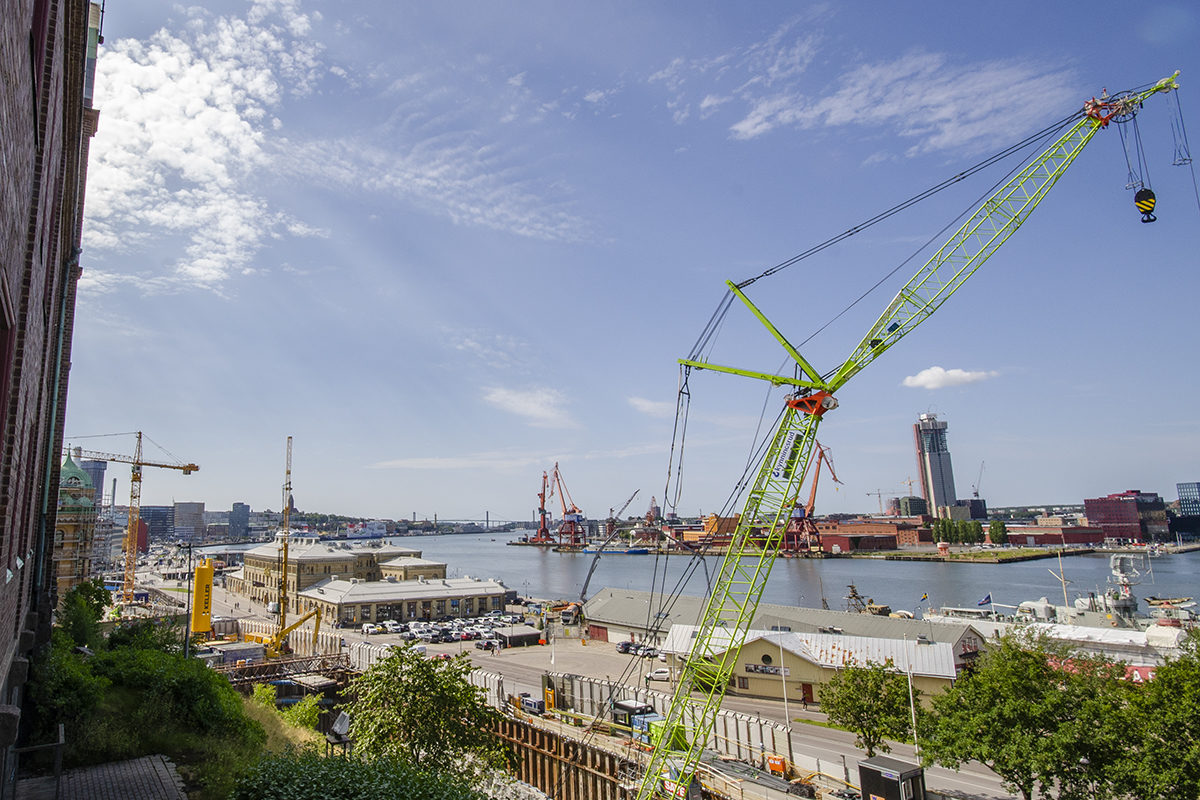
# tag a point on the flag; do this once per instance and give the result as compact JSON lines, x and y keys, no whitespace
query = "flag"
{"x":986,"y":600}
{"x":924,"y":597}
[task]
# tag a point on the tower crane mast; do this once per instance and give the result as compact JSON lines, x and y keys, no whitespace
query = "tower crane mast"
{"x":743,"y":574}
{"x":135,"y":503}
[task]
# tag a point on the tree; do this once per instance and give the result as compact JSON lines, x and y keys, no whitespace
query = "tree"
{"x":998,"y":531}
{"x":1164,"y":756}
{"x":81,"y":610}
{"x":1038,"y":714}
{"x":871,"y":701}
{"x":423,"y":711}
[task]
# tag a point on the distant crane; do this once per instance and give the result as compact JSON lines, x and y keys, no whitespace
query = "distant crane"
{"x":543,"y":532}
{"x":879,"y":493}
{"x":613,"y":517}
{"x":135,"y":502}
{"x":570,"y":530}
{"x":979,"y":480}
{"x":802,"y":533}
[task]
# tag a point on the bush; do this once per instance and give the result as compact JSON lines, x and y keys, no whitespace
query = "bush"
{"x":305,"y":775}
{"x":305,"y":714}
{"x":264,"y":694}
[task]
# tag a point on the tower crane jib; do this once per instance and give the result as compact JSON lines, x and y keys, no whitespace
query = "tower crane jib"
{"x":738,"y":587}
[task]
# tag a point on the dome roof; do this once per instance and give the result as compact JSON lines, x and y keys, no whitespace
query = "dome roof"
{"x":72,"y":476}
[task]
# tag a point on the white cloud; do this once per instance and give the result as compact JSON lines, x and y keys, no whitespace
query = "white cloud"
{"x":183,"y":124}
{"x":542,"y":408}
{"x":924,"y":98}
{"x":939,"y":378}
{"x":652,"y":408}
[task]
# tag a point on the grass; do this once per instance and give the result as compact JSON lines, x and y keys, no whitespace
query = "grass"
{"x":279,"y":733}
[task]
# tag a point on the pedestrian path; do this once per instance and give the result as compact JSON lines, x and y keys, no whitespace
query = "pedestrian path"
{"x":146,"y":778}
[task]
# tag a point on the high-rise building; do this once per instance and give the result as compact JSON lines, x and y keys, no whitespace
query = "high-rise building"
{"x":188,"y":525}
{"x":159,"y":521}
{"x":933,"y":463}
{"x":1189,"y":499}
{"x":46,"y":122}
{"x":95,"y":471}
{"x":239,"y":521}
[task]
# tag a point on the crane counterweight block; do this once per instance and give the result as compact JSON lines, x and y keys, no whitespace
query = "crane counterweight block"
{"x":816,"y":403}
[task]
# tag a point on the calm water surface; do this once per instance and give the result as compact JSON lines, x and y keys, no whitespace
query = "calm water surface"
{"x":542,"y":573}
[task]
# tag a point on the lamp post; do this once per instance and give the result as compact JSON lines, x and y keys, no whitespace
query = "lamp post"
{"x":912,"y":706}
{"x":187,"y":623}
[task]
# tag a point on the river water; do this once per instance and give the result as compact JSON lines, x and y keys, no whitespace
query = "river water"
{"x":540,"y":572}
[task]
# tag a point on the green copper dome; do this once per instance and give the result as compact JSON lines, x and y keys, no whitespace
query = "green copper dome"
{"x":71,"y":476}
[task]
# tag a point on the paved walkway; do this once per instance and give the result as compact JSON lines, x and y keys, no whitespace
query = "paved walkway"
{"x":146,"y":778}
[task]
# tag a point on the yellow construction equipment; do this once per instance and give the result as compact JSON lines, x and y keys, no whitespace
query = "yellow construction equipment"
{"x":276,"y":643}
{"x":135,"y":503}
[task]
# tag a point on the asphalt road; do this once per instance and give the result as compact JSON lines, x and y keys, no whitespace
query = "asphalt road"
{"x":523,"y":667}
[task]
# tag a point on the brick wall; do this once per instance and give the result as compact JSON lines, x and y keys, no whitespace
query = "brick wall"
{"x":42,"y":53}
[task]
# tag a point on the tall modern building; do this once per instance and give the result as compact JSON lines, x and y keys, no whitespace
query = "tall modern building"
{"x":188,"y":523}
{"x":95,"y":471}
{"x":1189,"y":499}
{"x":1129,"y":516}
{"x":47,"y":60}
{"x":933,"y":462}
{"x":239,"y":521}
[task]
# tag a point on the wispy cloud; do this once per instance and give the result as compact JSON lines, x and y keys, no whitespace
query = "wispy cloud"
{"x":652,"y":408}
{"x":940,"y":378}
{"x":925,"y":99}
{"x":541,"y":408}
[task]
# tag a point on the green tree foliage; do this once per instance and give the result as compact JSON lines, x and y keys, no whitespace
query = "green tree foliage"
{"x":264,"y":694}
{"x":998,"y":531}
{"x":147,"y":634}
{"x":872,"y":701}
{"x":1038,"y":715}
{"x":425,"y":711}
{"x":132,"y":699}
{"x":1164,"y":718}
{"x":304,"y":714}
{"x":305,"y":775}
{"x":80,"y":612}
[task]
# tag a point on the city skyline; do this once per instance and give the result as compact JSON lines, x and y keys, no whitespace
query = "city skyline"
{"x":445,"y":251}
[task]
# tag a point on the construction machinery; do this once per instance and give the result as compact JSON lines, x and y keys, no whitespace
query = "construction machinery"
{"x":802,"y":536}
{"x":275,"y":644}
{"x":135,"y":502}
{"x":543,"y":532}
{"x":570,"y":530}
{"x":737,"y":589}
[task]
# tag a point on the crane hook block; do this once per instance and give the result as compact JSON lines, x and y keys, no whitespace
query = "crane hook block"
{"x":1144,"y":200}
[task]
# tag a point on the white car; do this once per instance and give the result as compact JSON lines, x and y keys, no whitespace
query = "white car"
{"x":391,"y":626}
{"x":370,"y":628}
{"x":660,"y":674}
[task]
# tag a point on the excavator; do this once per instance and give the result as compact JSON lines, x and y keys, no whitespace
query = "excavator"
{"x":733,"y":601}
{"x":276,"y":644}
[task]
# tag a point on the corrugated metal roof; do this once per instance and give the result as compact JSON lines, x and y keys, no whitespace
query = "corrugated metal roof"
{"x":632,"y":608}
{"x":354,"y":591}
{"x":935,"y":659}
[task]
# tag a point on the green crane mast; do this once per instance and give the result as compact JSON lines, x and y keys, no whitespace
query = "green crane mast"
{"x":743,"y":574}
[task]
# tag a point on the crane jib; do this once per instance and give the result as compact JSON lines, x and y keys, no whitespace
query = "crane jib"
{"x":733,"y":601}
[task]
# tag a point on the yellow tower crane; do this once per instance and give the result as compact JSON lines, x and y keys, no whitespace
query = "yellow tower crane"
{"x":135,"y":502}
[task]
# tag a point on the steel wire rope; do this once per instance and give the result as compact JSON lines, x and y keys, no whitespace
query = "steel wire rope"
{"x":880,"y":217}
{"x":1184,"y":155}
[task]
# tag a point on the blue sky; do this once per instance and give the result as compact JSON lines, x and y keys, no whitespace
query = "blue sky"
{"x":445,"y":245}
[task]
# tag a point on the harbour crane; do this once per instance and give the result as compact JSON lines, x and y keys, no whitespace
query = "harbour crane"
{"x":802,"y":535}
{"x":135,"y":502}
{"x":613,"y":517}
{"x":736,"y":591}
{"x":570,"y":530}
{"x":543,"y":532}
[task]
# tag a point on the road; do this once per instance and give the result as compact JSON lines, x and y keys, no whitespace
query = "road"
{"x":523,"y":667}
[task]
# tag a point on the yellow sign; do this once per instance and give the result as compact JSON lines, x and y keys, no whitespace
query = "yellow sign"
{"x":202,"y":597}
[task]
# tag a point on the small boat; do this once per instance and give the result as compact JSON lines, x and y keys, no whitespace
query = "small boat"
{"x":1159,"y":602}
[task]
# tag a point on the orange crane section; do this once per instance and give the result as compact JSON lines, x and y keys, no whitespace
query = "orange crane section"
{"x":802,"y":535}
{"x":570,"y":531}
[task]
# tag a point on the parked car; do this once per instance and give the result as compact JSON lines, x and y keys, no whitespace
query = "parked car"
{"x":369,"y":628}
{"x":623,"y":647}
{"x":391,"y":626}
{"x":649,"y":652}
{"x":488,"y":644}
{"x":660,"y":674}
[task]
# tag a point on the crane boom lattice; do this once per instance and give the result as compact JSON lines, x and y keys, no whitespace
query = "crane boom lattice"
{"x":755,"y":543}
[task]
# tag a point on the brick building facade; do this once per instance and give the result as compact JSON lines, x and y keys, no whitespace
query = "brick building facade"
{"x":47,"y":49}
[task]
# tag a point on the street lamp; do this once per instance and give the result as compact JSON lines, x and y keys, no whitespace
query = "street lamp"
{"x":912,"y":706}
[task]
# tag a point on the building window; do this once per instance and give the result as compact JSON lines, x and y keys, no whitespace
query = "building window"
{"x":743,"y":683}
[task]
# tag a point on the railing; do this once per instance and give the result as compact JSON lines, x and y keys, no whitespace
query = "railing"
{"x":58,"y":760}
